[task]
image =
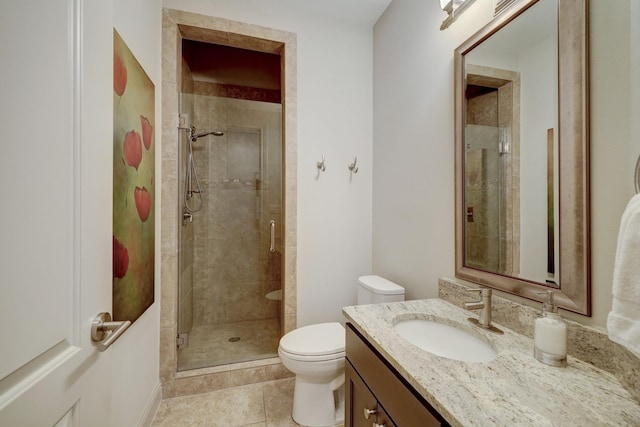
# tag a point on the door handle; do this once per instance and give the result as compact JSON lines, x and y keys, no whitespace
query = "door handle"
{"x":272,"y":247}
{"x":105,"y":332}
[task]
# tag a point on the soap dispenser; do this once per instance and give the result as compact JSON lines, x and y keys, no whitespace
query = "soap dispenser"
{"x":550,"y":334}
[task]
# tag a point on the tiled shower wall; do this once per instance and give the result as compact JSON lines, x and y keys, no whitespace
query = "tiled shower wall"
{"x":492,"y":181}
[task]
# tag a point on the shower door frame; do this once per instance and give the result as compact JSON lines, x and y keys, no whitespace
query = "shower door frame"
{"x":176,"y":26}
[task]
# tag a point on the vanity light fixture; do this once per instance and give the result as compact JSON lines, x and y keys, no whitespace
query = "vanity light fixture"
{"x":454,"y":8}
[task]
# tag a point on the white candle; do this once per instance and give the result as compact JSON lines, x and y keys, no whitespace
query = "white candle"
{"x":550,"y":336}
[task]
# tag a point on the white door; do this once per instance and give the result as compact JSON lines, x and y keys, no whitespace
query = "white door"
{"x":55,"y":214}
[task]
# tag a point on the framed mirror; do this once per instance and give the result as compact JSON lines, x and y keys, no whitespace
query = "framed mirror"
{"x":522,"y":153}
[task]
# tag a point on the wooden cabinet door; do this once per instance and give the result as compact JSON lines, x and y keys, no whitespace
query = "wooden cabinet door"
{"x":358,"y":397}
{"x":407,"y":408}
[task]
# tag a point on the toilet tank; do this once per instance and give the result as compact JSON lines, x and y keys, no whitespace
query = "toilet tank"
{"x":375,"y":289}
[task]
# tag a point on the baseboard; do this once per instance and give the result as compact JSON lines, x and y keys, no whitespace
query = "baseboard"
{"x":151,"y":407}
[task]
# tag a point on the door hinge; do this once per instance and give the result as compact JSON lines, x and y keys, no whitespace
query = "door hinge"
{"x":183,"y":121}
{"x":503,"y":144}
{"x":182,"y":340}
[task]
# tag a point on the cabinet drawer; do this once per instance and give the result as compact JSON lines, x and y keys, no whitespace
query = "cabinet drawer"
{"x":403,"y":404}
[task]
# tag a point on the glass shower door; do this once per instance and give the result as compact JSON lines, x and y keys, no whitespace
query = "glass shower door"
{"x":230,"y":250}
{"x":482,"y":197}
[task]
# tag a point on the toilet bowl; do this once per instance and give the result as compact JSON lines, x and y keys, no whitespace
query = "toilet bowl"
{"x":316,"y":355}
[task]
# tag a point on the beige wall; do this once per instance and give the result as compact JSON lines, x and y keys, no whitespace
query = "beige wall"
{"x":413,"y":182}
{"x":135,"y":358}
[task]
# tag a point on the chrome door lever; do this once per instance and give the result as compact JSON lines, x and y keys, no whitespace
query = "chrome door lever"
{"x":105,"y":332}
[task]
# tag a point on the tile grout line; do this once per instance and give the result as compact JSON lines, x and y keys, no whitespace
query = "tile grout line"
{"x":264,"y":403}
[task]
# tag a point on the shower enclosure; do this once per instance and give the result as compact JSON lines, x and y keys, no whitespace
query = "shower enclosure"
{"x":492,"y":189}
{"x":484,"y":198}
{"x":230,"y":184}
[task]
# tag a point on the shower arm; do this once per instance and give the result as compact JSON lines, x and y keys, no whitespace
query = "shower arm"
{"x":194,"y":136}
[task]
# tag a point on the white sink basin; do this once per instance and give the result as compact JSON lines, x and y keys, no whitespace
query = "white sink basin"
{"x":445,"y":340}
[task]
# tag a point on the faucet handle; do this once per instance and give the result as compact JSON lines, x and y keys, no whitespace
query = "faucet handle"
{"x":484,"y":318}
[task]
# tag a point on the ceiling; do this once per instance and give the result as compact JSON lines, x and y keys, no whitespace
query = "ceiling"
{"x":220,"y":64}
{"x":364,"y":12}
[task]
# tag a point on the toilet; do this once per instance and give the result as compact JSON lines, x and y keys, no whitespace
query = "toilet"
{"x":315,"y":353}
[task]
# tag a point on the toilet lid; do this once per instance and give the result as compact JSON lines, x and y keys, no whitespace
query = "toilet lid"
{"x":380,"y":285}
{"x":315,"y":340}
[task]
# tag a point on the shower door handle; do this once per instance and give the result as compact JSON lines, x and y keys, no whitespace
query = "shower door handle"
{"x":272,"y":247}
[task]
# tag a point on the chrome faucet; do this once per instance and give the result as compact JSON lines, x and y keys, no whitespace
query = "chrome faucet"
{"x":484,"y":305}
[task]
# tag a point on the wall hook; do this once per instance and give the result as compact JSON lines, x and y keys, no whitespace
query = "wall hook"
{"x":320,"y":165}
{"x":352,"y":166}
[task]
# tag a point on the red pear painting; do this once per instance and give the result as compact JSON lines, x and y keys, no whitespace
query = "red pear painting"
{"x":134,"y":130}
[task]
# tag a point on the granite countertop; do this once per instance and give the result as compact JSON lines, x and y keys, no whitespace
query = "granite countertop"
{"x":512,"y":389}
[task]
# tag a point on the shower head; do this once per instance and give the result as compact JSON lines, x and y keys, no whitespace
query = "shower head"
{"x":195,"y":136}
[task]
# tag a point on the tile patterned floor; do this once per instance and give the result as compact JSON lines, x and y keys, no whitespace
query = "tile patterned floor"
{"x":256,"y":405}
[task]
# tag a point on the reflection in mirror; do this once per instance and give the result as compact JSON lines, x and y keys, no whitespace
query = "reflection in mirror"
{"x":513,"y":70}
{"x":522,"y":153}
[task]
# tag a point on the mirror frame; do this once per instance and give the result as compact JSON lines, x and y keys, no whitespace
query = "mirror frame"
{"x":574,"y":292}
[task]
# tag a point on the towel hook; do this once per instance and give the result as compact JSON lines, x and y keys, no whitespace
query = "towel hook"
{"x":320,"y":165}
{"x":352,"y":166}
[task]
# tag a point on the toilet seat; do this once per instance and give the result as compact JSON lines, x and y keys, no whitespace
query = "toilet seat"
{"x":311,"y":359}
{"x":323,"y":341}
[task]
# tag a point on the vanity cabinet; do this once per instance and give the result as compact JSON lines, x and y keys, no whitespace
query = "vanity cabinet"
{"x":376,"y":395}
